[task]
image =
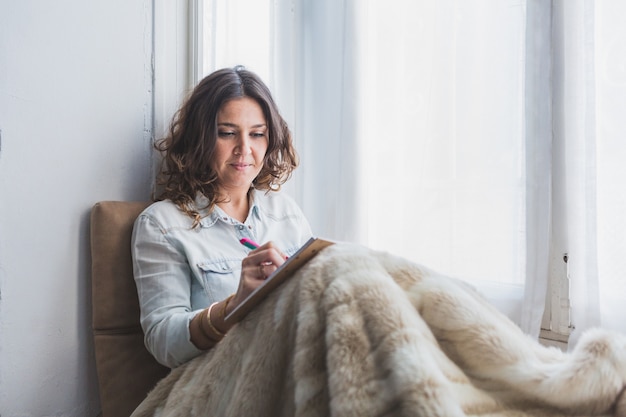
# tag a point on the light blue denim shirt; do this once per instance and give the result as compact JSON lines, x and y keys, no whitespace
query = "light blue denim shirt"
{"x":180,"y":270}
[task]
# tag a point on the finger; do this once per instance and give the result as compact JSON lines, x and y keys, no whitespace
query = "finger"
{"x":270,"y":246}
{"x":269,"y":269}
{"x":267,"y":256}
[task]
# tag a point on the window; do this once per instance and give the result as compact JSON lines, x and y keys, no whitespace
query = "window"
{"x":465,"y":135}
{"x":239,"y":32}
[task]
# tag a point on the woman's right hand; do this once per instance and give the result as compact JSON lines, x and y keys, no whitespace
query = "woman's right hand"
{"x":255,"y":268}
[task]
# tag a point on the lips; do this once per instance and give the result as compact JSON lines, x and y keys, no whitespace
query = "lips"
{"x":241,"y":165}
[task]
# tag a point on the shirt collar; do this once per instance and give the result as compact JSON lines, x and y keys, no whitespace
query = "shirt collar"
{"x":217,"y":214}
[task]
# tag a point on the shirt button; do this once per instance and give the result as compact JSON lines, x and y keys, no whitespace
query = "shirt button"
{"x":249,"y":227}
{"x":224,"y":218}
{"x":241,"y":227}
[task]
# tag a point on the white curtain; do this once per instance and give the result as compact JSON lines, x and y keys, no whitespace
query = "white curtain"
{"x":610,"y":102}
{"x":590,"y":127}
{"x":464,"y":134}
{"x":457,"y":156}
{"x":539,"y":257}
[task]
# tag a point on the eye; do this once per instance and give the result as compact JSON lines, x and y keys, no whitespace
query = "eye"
{"x":225,"y":133}
{"x":258,"y":134}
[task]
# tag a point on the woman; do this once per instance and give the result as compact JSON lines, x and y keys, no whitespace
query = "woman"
{"x":227,"y":153}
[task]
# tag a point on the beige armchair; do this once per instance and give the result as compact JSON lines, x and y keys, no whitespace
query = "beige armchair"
{"x":126,"y":371}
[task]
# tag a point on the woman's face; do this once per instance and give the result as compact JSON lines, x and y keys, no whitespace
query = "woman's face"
{"x":242,"y":140}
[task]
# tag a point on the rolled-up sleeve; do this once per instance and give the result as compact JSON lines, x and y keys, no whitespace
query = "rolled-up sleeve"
{"x":163,"y":279}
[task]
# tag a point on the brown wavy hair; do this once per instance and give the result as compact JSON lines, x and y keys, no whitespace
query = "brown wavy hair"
{"x":189,"y":147}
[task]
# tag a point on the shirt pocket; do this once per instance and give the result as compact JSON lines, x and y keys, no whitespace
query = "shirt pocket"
{"x":220,"y":277}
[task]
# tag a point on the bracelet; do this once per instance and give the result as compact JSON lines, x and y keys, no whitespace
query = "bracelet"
{"x":230,"y":297}
{"x":202,"y":329}
{"x":211,"y":326}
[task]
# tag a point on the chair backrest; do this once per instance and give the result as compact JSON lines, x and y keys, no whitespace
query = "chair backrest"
{"x":126,"y":370}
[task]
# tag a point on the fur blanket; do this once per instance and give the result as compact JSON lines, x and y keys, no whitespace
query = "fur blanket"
{"x":362,"y":333}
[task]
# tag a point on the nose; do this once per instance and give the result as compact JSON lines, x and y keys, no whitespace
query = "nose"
{"x":243,"y":145}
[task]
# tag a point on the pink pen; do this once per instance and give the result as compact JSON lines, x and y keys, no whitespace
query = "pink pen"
{"x":249,"y":243}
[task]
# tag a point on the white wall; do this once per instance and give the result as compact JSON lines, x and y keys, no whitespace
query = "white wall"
{"x":75,"y":122}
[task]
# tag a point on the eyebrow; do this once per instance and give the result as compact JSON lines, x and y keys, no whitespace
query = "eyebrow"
{"x":227,"y":124}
